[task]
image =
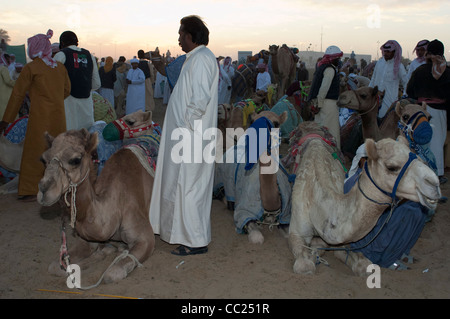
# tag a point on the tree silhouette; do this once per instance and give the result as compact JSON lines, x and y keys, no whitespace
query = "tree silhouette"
{"x":4,"y":35}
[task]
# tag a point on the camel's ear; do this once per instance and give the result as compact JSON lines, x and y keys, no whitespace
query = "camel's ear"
{"x":91,"y":140}
{"x":148,"y":116}
{"x":49,"y":139}
{"x":424,"y":106}
{"x":371,"y":149}
{"x":398,"y":109}
{"x":375,"y":90}
{"x":283,"y":117}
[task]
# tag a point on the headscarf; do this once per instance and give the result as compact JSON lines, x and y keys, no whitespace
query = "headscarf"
{"x":421,"y":44}
{"x":55,"y":47}
{"x":435,"y":52}
{"x":39,"y":46}
{"x":134,"y":60}
{"x":390,"y":46}
{"x":227,"y":64}
{"x":331,"y":53}
{"x":108,"y":64}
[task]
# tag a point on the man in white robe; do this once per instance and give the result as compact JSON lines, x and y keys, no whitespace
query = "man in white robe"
{"x":182,"y":191}
{"x":136,"y":88}
{"x":79,"y":111}
{"x":420,"y":50}
{"x":388,"y":74}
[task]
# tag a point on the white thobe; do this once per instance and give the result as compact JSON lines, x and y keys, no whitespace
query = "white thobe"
{"x":263,"y":81}
{"x":224,"y":87}
{"x":80,"y":112}
{"x":383,"y":77}
{"x":182,"y":192}
{"x":136,"y":91}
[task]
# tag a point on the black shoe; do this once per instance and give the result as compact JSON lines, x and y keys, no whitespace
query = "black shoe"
{"x":185,"y":250}
{"x":443,"y":179}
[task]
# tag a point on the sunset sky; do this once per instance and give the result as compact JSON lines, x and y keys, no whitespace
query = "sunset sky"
{"x":113,"y":27}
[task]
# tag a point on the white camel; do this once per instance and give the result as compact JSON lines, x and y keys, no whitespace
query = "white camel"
{"x":320,"y":209}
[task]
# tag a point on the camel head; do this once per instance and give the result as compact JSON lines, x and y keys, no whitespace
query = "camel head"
{"x":129,"y":126}
{"x":362,"y":100}
{"x":67,"y":160}
{"x":277,"y":120}
{"x":414,"y":121}
{"x":387,"y":157}
{"x":273,"y":49}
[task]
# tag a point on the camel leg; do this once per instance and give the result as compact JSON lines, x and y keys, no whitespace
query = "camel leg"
{"x":304,"y":258}
{"x":139,"y":248}
{"x":254,"y":234}
{"x":355,"y":260}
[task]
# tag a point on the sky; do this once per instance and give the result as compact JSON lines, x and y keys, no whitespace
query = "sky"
{"x":117,"y":27}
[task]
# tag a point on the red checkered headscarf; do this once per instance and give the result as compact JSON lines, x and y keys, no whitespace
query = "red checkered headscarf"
{"x":39,"y":46}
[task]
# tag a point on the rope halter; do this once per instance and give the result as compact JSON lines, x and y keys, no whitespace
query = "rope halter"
{"x":73,"y":191}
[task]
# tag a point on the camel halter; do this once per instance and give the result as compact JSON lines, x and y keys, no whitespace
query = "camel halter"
{"x":377,"y":103}
{"x":124,"y":127}
{"x":73,"y":190}
{"x":393,"y":205}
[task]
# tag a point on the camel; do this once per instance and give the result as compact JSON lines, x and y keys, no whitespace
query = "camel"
{"x":112,"y":207}
{"x":366,"y":101}
{"x":131,"y":125}
{"x":321,"y":210}
{"x":283,"y":67}
{"x":259,"y":194}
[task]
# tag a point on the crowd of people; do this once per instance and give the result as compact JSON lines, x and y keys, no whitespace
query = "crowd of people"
{"x":62,"y":77}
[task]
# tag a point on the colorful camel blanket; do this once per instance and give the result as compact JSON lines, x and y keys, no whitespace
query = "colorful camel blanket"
{"x":148,"y":144}
{"x":387,"y":242}
{"x":298,"y":143}
{"x":293,"y":119}
{"x":242,"y":187}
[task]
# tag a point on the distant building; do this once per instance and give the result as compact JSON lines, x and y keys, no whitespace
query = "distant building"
{"x":242,"y":56}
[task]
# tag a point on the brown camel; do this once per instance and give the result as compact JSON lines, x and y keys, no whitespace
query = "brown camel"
{"x":254,"y":195}
{"x":366,"y":101}
{"x":283,"y":67}
{"x":321,"y":209}
{"x":112,"y":207}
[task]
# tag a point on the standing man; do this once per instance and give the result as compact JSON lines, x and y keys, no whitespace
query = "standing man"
{"x":263,"y":79}
{"x":420,"y":49}
{"x":325,"y":91}
{"x":182,"y":192}
{"x":84,"y":77}
{"x":145,"y":66}
{"x":388,"y":74}
{"x":136,"y":88}
{"x":48,"y":85}
{"x":430,"y":83}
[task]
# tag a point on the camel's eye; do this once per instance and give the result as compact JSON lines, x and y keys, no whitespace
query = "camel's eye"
{"x":363,"y":96}
{"x":393,"y":168}
{"x":405,"y":117}
{"x":130,"y":122}
{"x":43,"y":161}
{"x":75,"y":161}
{"x":276,"y":124}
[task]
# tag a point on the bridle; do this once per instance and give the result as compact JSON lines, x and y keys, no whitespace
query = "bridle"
{"x":72,"y":190}
{"x":124,"y":127}
{"x":377,"y":103}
